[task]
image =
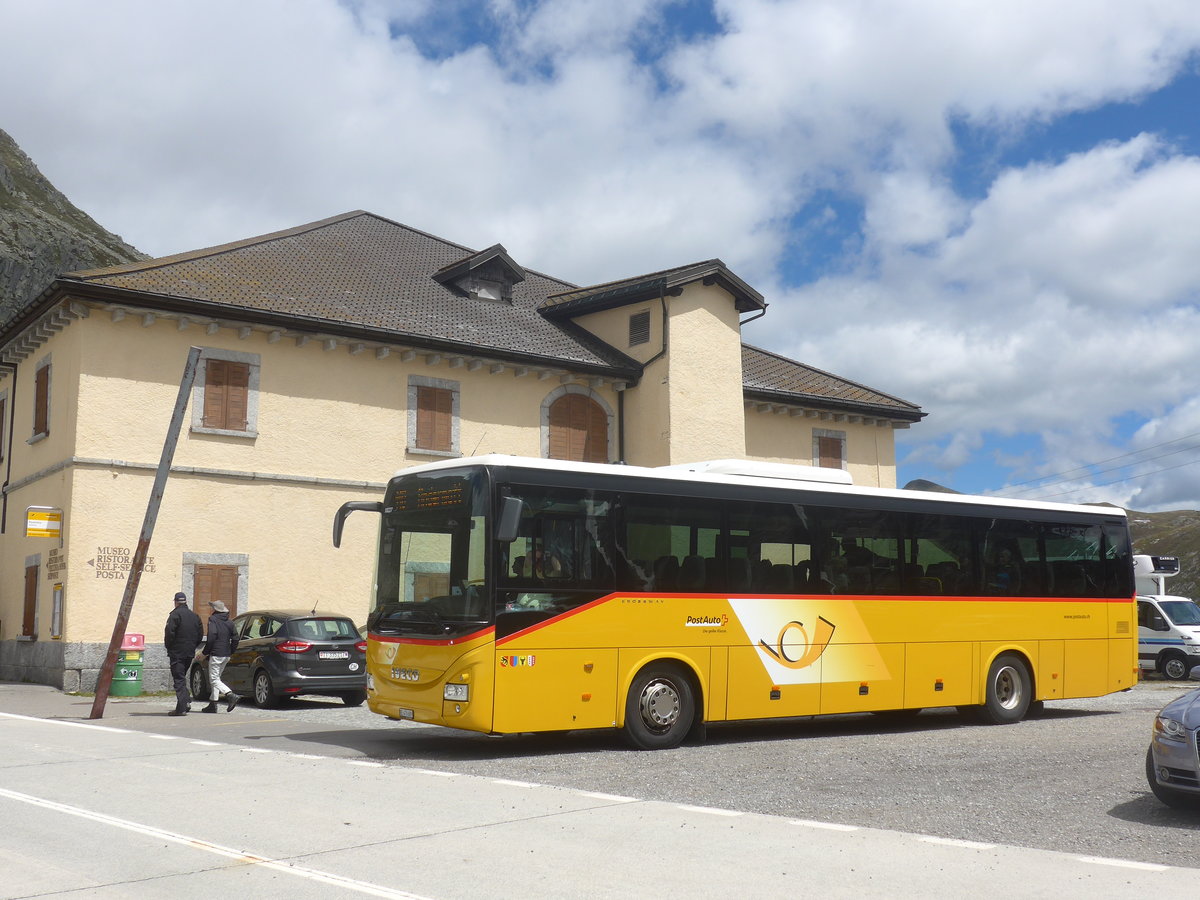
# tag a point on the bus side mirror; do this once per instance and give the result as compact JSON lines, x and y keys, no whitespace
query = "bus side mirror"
{"x":345,"y":509}
{"x":510,"y":519}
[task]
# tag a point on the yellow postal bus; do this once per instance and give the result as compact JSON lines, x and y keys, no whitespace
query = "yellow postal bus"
{"x":517,"y":595}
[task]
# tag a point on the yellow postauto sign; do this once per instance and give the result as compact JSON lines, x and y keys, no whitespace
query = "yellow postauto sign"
{"x":41,"y":521}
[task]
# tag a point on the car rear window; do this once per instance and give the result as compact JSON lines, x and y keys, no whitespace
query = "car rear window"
{"x":322,"y":629}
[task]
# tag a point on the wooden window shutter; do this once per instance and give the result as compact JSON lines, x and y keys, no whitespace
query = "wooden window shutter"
{"x":29,"y":619}
{"x":578,"y":429}
{"x":214,"y":583}
{"x":227,"y":582}
{"x":202,"y":593}
{"x":830,"y":452}
{"x":214,"y":393}
{"x":226,"y":394}
{"x":3,"y":424}
{"x":41,"y":401}
{"x":237,"y":397}
{"x":435,"y":418}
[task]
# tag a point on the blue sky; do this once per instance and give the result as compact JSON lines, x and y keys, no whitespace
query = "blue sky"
{"x":986,"y":209}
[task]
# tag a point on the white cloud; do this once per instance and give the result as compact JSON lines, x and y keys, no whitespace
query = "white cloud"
{"x":1061,"y":299}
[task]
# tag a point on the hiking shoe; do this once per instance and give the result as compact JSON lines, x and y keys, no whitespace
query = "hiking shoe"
{"x":233,"y":701}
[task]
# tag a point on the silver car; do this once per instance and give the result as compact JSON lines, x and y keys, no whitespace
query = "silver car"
{"x":1172,"y":760}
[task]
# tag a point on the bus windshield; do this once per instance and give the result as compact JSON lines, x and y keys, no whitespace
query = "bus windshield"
{"x":432,"y":552}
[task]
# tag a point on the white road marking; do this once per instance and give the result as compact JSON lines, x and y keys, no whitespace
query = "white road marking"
{"x":956,"y":842}
{"x":616,"y":798}
{"x":362,"y":887}
{"x":65,"y":722}
{"x":712,"y":811}
{"x":828,"y":826}
{"x":1123,"y":863}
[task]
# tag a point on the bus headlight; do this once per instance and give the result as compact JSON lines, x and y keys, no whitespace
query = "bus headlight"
{"x":1170,"y":729}
{"x":457,"y":692}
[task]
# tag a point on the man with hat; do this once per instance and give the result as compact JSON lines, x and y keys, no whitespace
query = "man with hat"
{"x":182,"y":636}
{"x":222,"y":640}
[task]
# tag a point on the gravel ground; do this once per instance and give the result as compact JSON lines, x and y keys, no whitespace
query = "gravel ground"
{"x":1071,"y":779}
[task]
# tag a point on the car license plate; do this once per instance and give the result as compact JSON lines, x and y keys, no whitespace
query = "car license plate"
{"x":334,"y":654}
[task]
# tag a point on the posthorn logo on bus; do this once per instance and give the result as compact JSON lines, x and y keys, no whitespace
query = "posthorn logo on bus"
{"x":795,"y":649}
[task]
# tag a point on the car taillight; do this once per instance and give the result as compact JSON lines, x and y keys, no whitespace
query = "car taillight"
{"x":361,"y":646}
{"x":293,"y":646}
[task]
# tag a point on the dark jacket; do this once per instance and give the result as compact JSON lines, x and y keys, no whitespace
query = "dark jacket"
{"x":221,"y":640}
{"x":183,"y":633}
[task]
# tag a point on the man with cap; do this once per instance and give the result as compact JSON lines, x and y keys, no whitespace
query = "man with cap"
{"x":182,"y":636}
{"x":218,"y":647}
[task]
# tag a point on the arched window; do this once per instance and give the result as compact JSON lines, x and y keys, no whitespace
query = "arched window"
{"x":578,"y":428}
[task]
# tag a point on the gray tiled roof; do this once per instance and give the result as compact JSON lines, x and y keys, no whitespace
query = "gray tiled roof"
{"x":363,"y":272}
{"x":631,"y":290}
{"x":768,"y":376}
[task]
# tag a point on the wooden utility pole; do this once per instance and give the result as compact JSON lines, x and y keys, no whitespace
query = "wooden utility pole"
{"x":104,"y":682}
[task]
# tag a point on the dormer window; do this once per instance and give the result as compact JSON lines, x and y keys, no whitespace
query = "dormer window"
{"x":487,"y":275}
{"x":486,"y":289}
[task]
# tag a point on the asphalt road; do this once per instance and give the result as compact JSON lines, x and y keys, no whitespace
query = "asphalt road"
{"x":1070,"y":780}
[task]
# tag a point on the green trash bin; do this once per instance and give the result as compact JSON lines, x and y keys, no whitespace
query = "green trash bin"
{"x":127,"y":673}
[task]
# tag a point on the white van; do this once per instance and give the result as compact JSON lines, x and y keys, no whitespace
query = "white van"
{"x":1168,"y":626}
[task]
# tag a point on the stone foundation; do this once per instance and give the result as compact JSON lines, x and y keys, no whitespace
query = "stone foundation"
{"x":74,"y":667}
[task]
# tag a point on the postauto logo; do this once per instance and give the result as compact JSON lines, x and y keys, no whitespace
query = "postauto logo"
{"x":720,"y":621}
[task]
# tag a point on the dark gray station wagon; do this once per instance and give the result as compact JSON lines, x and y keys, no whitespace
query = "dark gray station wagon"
{"x":283,"y":653}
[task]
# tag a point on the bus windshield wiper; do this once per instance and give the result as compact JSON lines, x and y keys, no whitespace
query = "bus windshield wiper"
{"x":410,"y":612}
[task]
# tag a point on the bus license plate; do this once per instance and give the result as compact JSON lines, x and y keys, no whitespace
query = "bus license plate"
{"x":334,"y":654}
{"x":406,"y":713}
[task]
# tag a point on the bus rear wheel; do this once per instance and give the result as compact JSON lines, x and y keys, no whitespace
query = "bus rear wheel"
{"x":1009,"y":691}
{"x":659,"y":709}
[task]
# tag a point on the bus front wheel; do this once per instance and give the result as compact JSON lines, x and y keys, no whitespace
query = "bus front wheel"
{"x":1009,"y":691}
{"x":659,"y":709}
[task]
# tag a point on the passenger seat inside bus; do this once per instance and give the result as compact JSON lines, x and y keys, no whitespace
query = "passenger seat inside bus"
{"x":692,"y":574}
{"x":739,"y":574}
{"x":666,"y":573}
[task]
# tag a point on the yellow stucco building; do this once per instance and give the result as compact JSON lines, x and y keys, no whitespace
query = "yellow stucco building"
{"x":333,"y":354}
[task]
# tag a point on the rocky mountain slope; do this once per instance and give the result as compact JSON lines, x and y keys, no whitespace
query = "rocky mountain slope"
{"x":42,"y":234}
{"x":1174,"y":533}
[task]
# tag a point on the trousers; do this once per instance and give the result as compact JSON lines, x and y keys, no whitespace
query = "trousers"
{"x":217,"y":688}
{"x":179,"y":671}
